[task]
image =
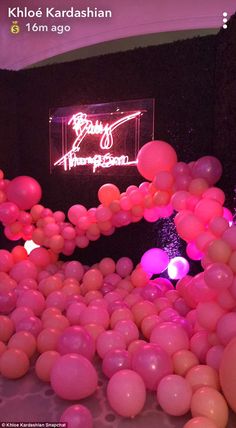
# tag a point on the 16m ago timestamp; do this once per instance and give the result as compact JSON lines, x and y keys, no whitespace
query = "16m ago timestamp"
{"x":40,"y":28}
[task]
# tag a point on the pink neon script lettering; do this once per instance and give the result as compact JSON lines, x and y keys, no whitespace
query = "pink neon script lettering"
{"x":82,"y":127}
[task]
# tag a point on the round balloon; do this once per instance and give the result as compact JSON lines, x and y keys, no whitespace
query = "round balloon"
{"x":24,"y":191}
{"x":154,"y":157}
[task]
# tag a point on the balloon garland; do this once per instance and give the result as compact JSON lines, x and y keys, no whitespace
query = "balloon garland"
{"x":67,"y":312}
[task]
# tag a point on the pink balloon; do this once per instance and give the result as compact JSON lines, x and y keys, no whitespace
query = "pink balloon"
{"x":126,"y":393}
{"x":6,"y":261}
{"x":193,"y":252}
{"x":108,"y":340}
{"x":7,"y":301}
{"x":208,"y":314}
{"x":31,"y":324}
{"x":95,"y":315}
{"x":24,"y":191}
{"x":21,"y":313}
{"x":75,"y":212}
{"x":124,"y":266}
{"x":40,"y":257}
{"x":227,"y":373}
{"x":226,"y":327}
{"x":75,"y":270}
{"x":202,"y":375}
{"x":170,"y":336}
{"x":76,"y":340}
{"x":103,"y":213}
{"x":77,"y":416}
{"x":214,"y":356}
{"x":229,"y":236}
{"x":207,"y":167}
{"x":206,"y":209}
{"x":199,"y":345}
{"x":56,"y":299}
{"x":154,"y":260}
{"x":114,"y":361}
{"x":73,"y":377}
{"x":200,"y":422}
{"x":128,"y":329}
{"x":152,"y":363}
{"x":23,"y":269}
{"x":154,"y":157}
{"x":174,"y":395}
{"x":151,"y":214}
{"x":9,"y":212}
{"x":218,"y":276}
{"x":208,"y":402}
{"x":32,"y":299}
{"x":189,"y":227}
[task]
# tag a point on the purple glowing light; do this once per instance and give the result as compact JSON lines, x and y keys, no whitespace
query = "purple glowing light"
{"x":154,"y":261}
{"x":178,"y":268}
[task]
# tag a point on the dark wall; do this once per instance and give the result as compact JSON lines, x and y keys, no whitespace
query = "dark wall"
{"x":9,"y":154}
{"x":225,"y":110}
{"x":181,"y":78}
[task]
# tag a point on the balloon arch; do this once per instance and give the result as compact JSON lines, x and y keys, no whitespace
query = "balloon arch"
{"x":107,"y":307}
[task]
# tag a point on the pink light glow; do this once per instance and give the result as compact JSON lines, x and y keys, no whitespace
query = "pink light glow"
{"x":83,"y":127}
{"x":154,"y":261}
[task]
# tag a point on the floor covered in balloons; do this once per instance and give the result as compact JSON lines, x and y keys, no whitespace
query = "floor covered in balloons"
{"x":29,"y":399}
{"x":85,"y":345}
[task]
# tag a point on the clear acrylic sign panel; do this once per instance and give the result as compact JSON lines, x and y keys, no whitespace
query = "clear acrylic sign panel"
{"x":99,"y":139}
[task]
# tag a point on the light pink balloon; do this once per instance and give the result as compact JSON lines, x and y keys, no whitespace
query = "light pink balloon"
{"x":226,"y":328}
{"x":73,"y":377}
{"x":108,"y":340}
{"x":200,"y":345}
{"x":229,"y":236}
{"x":218,"y":276}
{"x":170,"y":336}
{"x":128,"y":329}
{"x":200,"y":422}
{"x":126,"y":393}
{"x":174,"y":395}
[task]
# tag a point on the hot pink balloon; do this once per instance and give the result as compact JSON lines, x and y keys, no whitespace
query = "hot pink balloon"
{"x":154,"y":260}
{"x":9,"y":212}
{"x":24,"y":191}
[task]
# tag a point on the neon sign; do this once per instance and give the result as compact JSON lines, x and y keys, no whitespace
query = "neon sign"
{"x":99,"y":138}
{"x":83,"y":127}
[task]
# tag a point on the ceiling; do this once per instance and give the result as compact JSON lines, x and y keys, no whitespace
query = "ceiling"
{"x":132,"y":23}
